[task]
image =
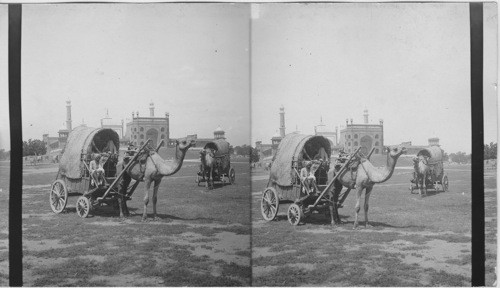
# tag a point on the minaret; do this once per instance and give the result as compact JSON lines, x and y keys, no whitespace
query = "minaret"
{"x":68,"y":115}
{"x":151,"y":109}
{"x":381,"y":121}
{"x":219,"y":133}
{"x":366,"y":116}
{"x":282,"y":121}
{"x":336,"y":135}
{"x":167,"y":116}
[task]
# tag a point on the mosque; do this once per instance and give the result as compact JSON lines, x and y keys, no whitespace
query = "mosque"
{"x":136,"y":131}
{"x":139,"y":129}
{"x":365,"y":135}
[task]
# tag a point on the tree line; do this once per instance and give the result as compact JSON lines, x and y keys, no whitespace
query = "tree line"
{"x":247,"y":150}
{"x":38,"y":147}
{"x":34,"y":147}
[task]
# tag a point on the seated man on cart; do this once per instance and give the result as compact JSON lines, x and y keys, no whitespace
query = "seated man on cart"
{"x":307,"y":176}
{"x":96,"y":171}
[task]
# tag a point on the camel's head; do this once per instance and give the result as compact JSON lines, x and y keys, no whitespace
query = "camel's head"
{"x":424,"y":159}
{"x":185,"y":144}
{"x":395,"y":151}
{"x":207,"y":151}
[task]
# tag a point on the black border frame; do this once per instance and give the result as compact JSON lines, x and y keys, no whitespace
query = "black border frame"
{"x":16,"y":148}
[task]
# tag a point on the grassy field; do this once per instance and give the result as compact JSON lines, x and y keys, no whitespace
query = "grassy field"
{"x":4,"y":224}
{"x":203,"y":238}
{"x":413,"y":242}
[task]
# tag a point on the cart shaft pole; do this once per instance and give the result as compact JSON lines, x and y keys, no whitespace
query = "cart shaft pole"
{"x":370,"y":154}
{"x":123,"y":171}
{"x":159,"y":145}
{"x":335,"y":177}
{"x":133,"y":188}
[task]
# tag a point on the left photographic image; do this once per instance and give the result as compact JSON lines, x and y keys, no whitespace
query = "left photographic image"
{"x":134,"y":118}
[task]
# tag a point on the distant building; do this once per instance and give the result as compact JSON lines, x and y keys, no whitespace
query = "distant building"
{"x":275,"y":142}
{"x":219,"y":133}
{"x":414,"y":149}
{"x":266,"y":150}
{"x":109,"y":123}
{"x":56,"y":144}
{"x":322,"y":130}
{"x":434,"y":141}
{"x":139,"y":129}
{"x":366,"y":136}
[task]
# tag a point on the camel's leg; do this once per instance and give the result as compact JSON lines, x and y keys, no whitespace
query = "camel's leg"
{"x":202,"y":169}
{"x":422,"y":185}
{"x":155,"y":197}
{"x":359,"y":189}
{"x":146,"y":199}
{"x":211,"y":177}
{"x":425,"y":184}
{"x":419,"y":179}
{"x":367,"y":199}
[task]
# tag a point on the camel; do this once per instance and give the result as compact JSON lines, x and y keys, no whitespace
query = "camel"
{"x":365,"y":178}
{"x":422,"y":170}
{"x":207,"y":166}
{"x":153,"y":169}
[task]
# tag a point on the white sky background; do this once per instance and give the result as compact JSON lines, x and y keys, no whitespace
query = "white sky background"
{"x":408,"y":64}
{"x":191,"y":60}
{"x":413,"y":57}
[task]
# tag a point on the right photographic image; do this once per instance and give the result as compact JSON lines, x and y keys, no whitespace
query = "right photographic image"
{"x":361,"y":123}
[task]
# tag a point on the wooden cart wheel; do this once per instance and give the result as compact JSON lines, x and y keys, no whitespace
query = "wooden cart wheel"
{"x":232,"y":175}
{"x":58,"y":196}
{"x":269,"y":204}
{"x":444,"y":183}
{"x":83,"y":206}
{"x":295,"y":214}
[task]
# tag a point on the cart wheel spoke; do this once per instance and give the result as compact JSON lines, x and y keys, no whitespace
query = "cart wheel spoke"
{"x":273,"y":208}
{"x":268,"y":201}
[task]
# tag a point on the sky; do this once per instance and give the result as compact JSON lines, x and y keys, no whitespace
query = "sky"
{"x":407,"y":63}
{"x":191,"y":60}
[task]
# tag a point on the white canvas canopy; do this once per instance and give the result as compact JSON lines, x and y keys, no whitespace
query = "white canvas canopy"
{"x":82,"y":141}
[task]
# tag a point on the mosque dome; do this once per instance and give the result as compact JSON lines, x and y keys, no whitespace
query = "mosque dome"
{"x":219,"y":129}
